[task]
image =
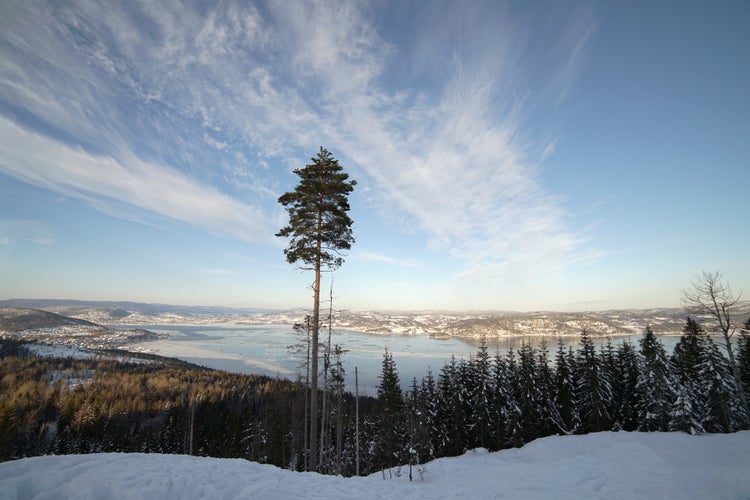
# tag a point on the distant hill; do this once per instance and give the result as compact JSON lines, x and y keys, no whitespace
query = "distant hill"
{"x":122,"y":308}
{"x":14,"y":319}
{"x":461,"y":324}
{"x":473,"y":324}
{"x":51,"y":328}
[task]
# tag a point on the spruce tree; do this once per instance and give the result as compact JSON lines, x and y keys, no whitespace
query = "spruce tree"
{"x":478,"y":395}
{"x":565,"y":415}
{"x":545,"y":391}
{"x":743,"y":357}
{"x":511,"y":394}
{"x":451,"y":437}
{"x":428,"y":392}
{"x":688,"y":352}
{"x":626,"y":376}
{"x":319,"y":228}
{"x":689,"y":411}
{"x":418,"y":447}
{"x":684,"y":416}
{"x":655,"y":388}
{"x":529,"y":397}
{"x":594,"y":389}
{"x":610,"y":370}
{"x":720,"y":392}
{"x":390,"y":424}
{"x":497,"y":402}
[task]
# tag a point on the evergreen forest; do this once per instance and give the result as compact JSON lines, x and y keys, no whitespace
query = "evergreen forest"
{"x":491,"y":400}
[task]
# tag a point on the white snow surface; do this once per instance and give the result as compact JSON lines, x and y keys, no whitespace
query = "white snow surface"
{"x":611,"y":465}
{"x":59,"y":351}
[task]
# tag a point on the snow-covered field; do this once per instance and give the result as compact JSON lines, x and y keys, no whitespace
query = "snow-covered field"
{"x":603,"y":465}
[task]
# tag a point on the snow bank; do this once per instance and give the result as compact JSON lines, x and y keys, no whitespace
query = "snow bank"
{"x":603,"y":465}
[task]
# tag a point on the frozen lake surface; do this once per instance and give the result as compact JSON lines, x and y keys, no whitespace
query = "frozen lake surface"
{"x":263,"y":349}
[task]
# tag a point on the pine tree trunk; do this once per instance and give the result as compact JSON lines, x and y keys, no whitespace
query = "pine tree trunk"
{"x":324,"y":417}
{"x":314,"y":376}
{"x":314,"y":361}
{"x":325,"y":414}
{"x":306,"y":451}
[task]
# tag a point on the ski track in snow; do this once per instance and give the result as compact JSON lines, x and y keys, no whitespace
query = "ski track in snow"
{"x":607,"y":465}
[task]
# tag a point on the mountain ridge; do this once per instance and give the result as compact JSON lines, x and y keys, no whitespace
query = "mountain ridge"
{"x":435,"y":323}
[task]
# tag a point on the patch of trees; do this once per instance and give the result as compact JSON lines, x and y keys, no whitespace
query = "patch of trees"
{"x":65,"y":405}
{"x":491,"y":400}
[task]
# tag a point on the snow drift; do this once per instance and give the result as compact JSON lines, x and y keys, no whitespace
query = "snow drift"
{"x":602,"y":465}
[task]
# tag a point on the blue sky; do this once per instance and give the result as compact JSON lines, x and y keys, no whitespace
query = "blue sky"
{"x":509,"y":155}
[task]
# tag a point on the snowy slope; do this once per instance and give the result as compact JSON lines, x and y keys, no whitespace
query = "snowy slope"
{"x":603,"y":465}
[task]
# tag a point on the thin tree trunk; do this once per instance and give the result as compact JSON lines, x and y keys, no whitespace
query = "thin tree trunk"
{"x":339,"y":433}
{"x":314,"y":378}
{"x":192,"y":425}
{"x":710,"y":295}
{"x":314,"y":368}
{"x":721,"y":312}
{"x":325,"y":417}
{"x":737,"y":376}
{"x":356,"y":417}
{"x":306,"y":452}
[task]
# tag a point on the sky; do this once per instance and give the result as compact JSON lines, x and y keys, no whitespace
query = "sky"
{"x":508,"y":155}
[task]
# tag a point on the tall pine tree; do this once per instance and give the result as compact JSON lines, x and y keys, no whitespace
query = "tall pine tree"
{"x":319,"y":228}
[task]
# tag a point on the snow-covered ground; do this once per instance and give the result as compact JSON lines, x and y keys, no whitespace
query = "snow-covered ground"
{"x":59,"y":351}
{"x":603,"y":465}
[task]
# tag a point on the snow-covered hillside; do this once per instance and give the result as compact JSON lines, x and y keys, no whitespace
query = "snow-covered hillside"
{"x":603,"y":465}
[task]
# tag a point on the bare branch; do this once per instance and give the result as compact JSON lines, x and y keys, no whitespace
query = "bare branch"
{"x":709,"y":296}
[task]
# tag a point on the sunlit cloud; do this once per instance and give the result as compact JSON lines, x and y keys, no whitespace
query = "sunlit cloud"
{"x":456,"y":162}
{"x":108,"y":183}
{"x":218,"y":105}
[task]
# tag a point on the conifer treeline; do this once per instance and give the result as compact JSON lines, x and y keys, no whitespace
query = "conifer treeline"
{"x":512,"y":398}
{"x":492,"y":400}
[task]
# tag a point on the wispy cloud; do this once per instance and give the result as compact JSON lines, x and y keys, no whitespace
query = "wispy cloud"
{"x":455,"y":160}
{"x":369,"y":256}
{"x":217,"y":103}
{"x":110,"y":184}
{"x":14,"y":231}
{"x":218,"y":271}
